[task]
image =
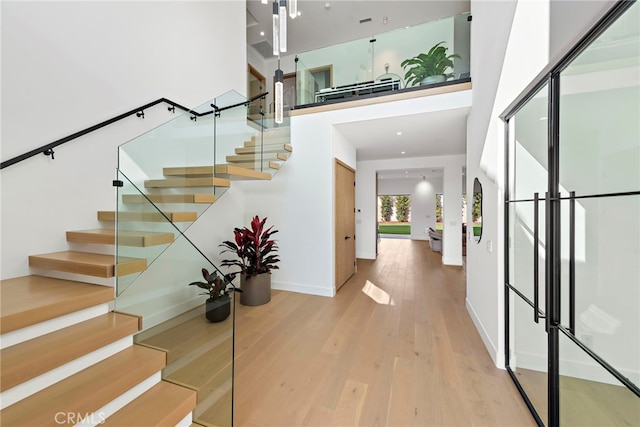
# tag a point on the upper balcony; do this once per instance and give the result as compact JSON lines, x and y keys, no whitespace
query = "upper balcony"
{"x":368,"y":68}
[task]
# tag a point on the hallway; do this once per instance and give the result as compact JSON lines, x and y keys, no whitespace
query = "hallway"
{"x":395,"y":347}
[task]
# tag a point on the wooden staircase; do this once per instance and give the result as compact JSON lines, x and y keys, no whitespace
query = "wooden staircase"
{"x":66,"y":355}
{"x":77,"y":359}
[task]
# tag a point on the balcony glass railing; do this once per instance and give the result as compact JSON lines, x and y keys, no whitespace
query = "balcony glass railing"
{"x":372,"y":66}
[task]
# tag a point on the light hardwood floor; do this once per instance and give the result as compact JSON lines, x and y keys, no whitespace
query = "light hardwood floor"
{"x":395,"y":347}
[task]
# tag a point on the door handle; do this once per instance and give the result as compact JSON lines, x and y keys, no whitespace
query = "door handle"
{"x":347,"y":237}
{"x":536,"y":274}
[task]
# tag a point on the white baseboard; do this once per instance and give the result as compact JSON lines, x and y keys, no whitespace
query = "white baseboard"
{"x":586,"y":369}
{"x":451,"y":261}
{"x":367,"y":255}
{"x":303,"y":289}
{"x":496,"y":356}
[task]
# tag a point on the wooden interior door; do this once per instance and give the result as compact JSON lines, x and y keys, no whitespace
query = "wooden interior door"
{"x":377,"y":217}
{"x":345,"y":222}
{"x":256,"y":84}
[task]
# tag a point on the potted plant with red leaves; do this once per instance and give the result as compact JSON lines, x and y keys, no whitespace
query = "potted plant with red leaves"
{"x":218,"y":306}
{"x":255,"y":251}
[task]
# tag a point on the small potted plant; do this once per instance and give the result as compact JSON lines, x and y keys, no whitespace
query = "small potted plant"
{"x":430,"y":67}
{"x":255,"y":251}
{"x":218,"y":306}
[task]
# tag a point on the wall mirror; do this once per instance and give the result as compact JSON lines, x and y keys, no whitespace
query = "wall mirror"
{"x":476,"y":212}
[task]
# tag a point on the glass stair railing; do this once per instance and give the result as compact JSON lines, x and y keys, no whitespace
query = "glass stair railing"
{"x":264,"y":145}
{"x":167,"y":178}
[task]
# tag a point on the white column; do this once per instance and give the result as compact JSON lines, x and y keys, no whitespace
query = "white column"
{"x":452,"y":237}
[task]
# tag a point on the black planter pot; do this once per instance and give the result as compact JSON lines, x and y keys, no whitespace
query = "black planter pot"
{"x":218,"y":309}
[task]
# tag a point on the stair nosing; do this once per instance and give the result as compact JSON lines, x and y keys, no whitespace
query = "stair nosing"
{"x":88,"y":390}
{"x":20,"y":364}
{"x":34,"y":313}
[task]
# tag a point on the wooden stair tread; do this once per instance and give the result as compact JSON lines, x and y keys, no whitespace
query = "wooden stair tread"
{"x":169,"y":198}
{"x":217,"y":414}
{"x":266,"y":148}
{"x":226,"y":171}
{"x":125,"y":237}
{"x":284,"y":139}
{"x":98,"y":265}
{"x":253,"y":165}
{"x":33,"y":299}
{"x":164,"y":404}
{"x":241,"y":158}
{"x":194,"y":336}
{"x":88,"y":390}
{"x":29,"y":359}
{"x":187,"y":182}
{"x":207,"y":372}
{"x":239,"y":172}
{"x":148,"y":216}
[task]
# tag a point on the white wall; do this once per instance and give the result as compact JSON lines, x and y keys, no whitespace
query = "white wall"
{"x":423,"y":200}
{"x":298,"y":201}
{"x":509,"y":47}
{"x":69,"y":65}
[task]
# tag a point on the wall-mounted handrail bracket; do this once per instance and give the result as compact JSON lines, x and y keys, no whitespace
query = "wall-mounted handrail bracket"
{"x":117,"y":183}
{"x":172,"y":109}
{"x":49,"y":152}
{"x":216,"y":110}
{"x":194,"y":118}
{"x":140,"y":114}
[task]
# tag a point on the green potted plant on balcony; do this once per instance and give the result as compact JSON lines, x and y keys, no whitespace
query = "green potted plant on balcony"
{"x":430,"y":67}
{"x":218,"y":305}
{"x":255,"y":251}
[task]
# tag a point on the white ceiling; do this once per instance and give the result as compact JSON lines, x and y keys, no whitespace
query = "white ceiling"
{"x":430,"y":134}
{"x":437,"y":133}
{"x":319,"y":26}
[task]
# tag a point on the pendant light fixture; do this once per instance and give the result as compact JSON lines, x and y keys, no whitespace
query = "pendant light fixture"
{"x":279,"y":18}
{"x":278,"y":96}
{"x":293,"y":8}
{"x":283,"y":25}
{"x":276,"y":28}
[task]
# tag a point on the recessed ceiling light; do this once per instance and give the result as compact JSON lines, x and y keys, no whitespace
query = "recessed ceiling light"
{"x":399,"y":133}
{"x":262,"y":33}
{"x":299,"y":13}
{"x":403,"y":152}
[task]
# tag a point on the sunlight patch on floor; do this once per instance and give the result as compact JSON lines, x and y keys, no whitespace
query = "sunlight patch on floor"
{"x":377,"y":294}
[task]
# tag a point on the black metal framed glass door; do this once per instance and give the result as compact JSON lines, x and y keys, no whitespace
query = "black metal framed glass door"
{"x":525,"y":283}
{"x":572,"y":232}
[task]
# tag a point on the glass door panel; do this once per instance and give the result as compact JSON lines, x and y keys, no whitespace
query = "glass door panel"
{"x":528,"y":150}
{"x":607,"y":272}
{"x":599,"y":110}
{"x":589,"y":395}
{"x":528,"y":354}
{"x":522,"y":248}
